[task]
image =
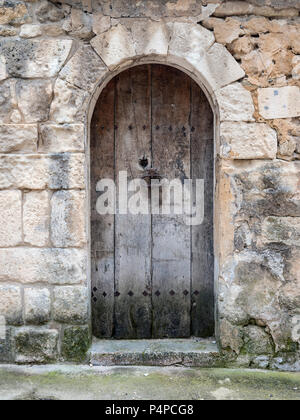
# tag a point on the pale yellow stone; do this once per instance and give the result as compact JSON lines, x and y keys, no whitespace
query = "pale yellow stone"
{"x":10,"y":218}
{"x":36,"y":218}
{"x":281,"y":102}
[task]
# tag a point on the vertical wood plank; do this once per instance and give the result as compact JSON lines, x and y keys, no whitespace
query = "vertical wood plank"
{"x":202,"y":152}
{"x":133,"y":311}
{"x":102,"y":227}
{"x":171,"y":236}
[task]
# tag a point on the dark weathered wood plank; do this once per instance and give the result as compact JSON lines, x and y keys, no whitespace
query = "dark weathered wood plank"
{"x":202,"y":152}
{"x":171,"y":236}
{"x":102,"y":227}
{"x":133,"y":311}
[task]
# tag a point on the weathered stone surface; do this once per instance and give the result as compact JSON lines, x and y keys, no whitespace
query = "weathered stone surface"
{"x":5,"y":101}
{"x":18,"y":138}
{"x":37,"y":303}
{"x":219,"y":67}
{"x":34,"y":99}
{"x":47,"y":11}
{"x":240,"y":8}
{"x":70,"y":304}
{"x":84,"y":70}
{"x":36,"y":218}
{"x":35,"y":59}
{"x":257,"y":25}
{"x":241,"y":47}
{"x":36,"y":345}
{"x":30,"y":31}
{"x":281,"y":102}
{"x":80,"y":24}
{"x":68,"y":219}
{"x":66,"y":138}
{"x":227,"y":31}
{"x":288,"y":131}
{"x":296,"y":67}
{"x":285,"y":230}
{"x":151,"y":38}
{"x":33,"y":265}
{"x":6,"y":344}
{"x":101,"y":23}
{"x":10,"y":218}
{"x":75,"y":344}
{"x":69,"y":104}
{"x":7,"y":31}
{"x":235,"y":103}
{"x":156,"y":9}
{"x":190,"y":42}
{"x":10,"y":12}
{"x":231,"y":336}
{"x":37,"y":172}
{"x":11,"y":304}
{"x":114,"y":46}
{"x":248,"y":141}
{"x":257,"y":341}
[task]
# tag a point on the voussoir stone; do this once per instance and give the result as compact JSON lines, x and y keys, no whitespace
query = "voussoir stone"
{"x":48,"y":265}
{"x":36,"y":345}
{"x":37,"y":303}
{"x":36,"y":218}
{"x":35,"y":58}
{"x":282,"y":102}
{"x":70,"y":304}
{"x":18,"y":138}
{"x":151,"y":38}
{"x":236,"y":103}
{"x":190,"y":41}
{"x":68,"y":219}
{"x":248,"y":141}
{"x":64,"y":138}
{"x":10,"y":218}
{"x":84,"y":70}
{"x":11,"y":304}
{"x":37,"y":172}
{"x":114,"y":46}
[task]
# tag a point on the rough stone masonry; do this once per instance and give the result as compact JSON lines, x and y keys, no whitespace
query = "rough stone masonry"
{"x":53,"y":56}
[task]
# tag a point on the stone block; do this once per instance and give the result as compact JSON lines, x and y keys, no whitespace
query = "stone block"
{"x":248,"y":141}
{"x":284,"y":230}
{"x":34,"y":99}
{"x":10,"y":218}
{"x":36,"y":345}
{"x":38,"y":172}
{"x":114,"y":46}
{"x":37,"y":303}
{"x":6,"y":343}
{"x":71,"y":304}
{"x":11,"y":304}
{"x":236,"y":103}
{"x":257,"y":341}
{"x":68,"y":219}
{"x":49,"y":265}
{"x":36,"y":218}
{"x":30,"y":31}
{"x":101,"y":23}
{"x":65,"y":138}
{"x":283,"y":102}
{"x":84,"y":70}
{"x":70,"y":104}
{"x":35,"y":58}
{"x":18,"y":138}
{"x":75,"y":343}
{"x":151,"y":38}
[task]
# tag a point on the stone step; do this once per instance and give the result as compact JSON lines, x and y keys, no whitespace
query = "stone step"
{"x":191,"y":352}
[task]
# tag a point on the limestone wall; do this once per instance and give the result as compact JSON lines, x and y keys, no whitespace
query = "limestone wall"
{"x":53,"y":55}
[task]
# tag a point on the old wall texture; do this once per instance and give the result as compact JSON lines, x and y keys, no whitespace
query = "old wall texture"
{"x":53,"y":55}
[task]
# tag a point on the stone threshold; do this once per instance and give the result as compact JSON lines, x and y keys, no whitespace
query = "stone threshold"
{"x":193,"y":352}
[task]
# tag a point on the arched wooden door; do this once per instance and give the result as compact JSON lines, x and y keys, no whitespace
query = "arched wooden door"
{"x":152,"y":275}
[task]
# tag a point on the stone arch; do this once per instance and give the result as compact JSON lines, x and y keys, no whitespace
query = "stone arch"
{"x":186,"y":46}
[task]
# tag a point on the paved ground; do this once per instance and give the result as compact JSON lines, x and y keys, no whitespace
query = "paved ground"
{"x":134,"y":383}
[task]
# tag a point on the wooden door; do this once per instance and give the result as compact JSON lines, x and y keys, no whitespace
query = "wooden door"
{"x":152,"y":274}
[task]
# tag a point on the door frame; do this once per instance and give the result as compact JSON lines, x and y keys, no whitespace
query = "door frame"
{"x":215,"y":110}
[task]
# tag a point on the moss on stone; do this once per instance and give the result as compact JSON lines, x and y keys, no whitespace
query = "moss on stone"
{"x":75,"y":344}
